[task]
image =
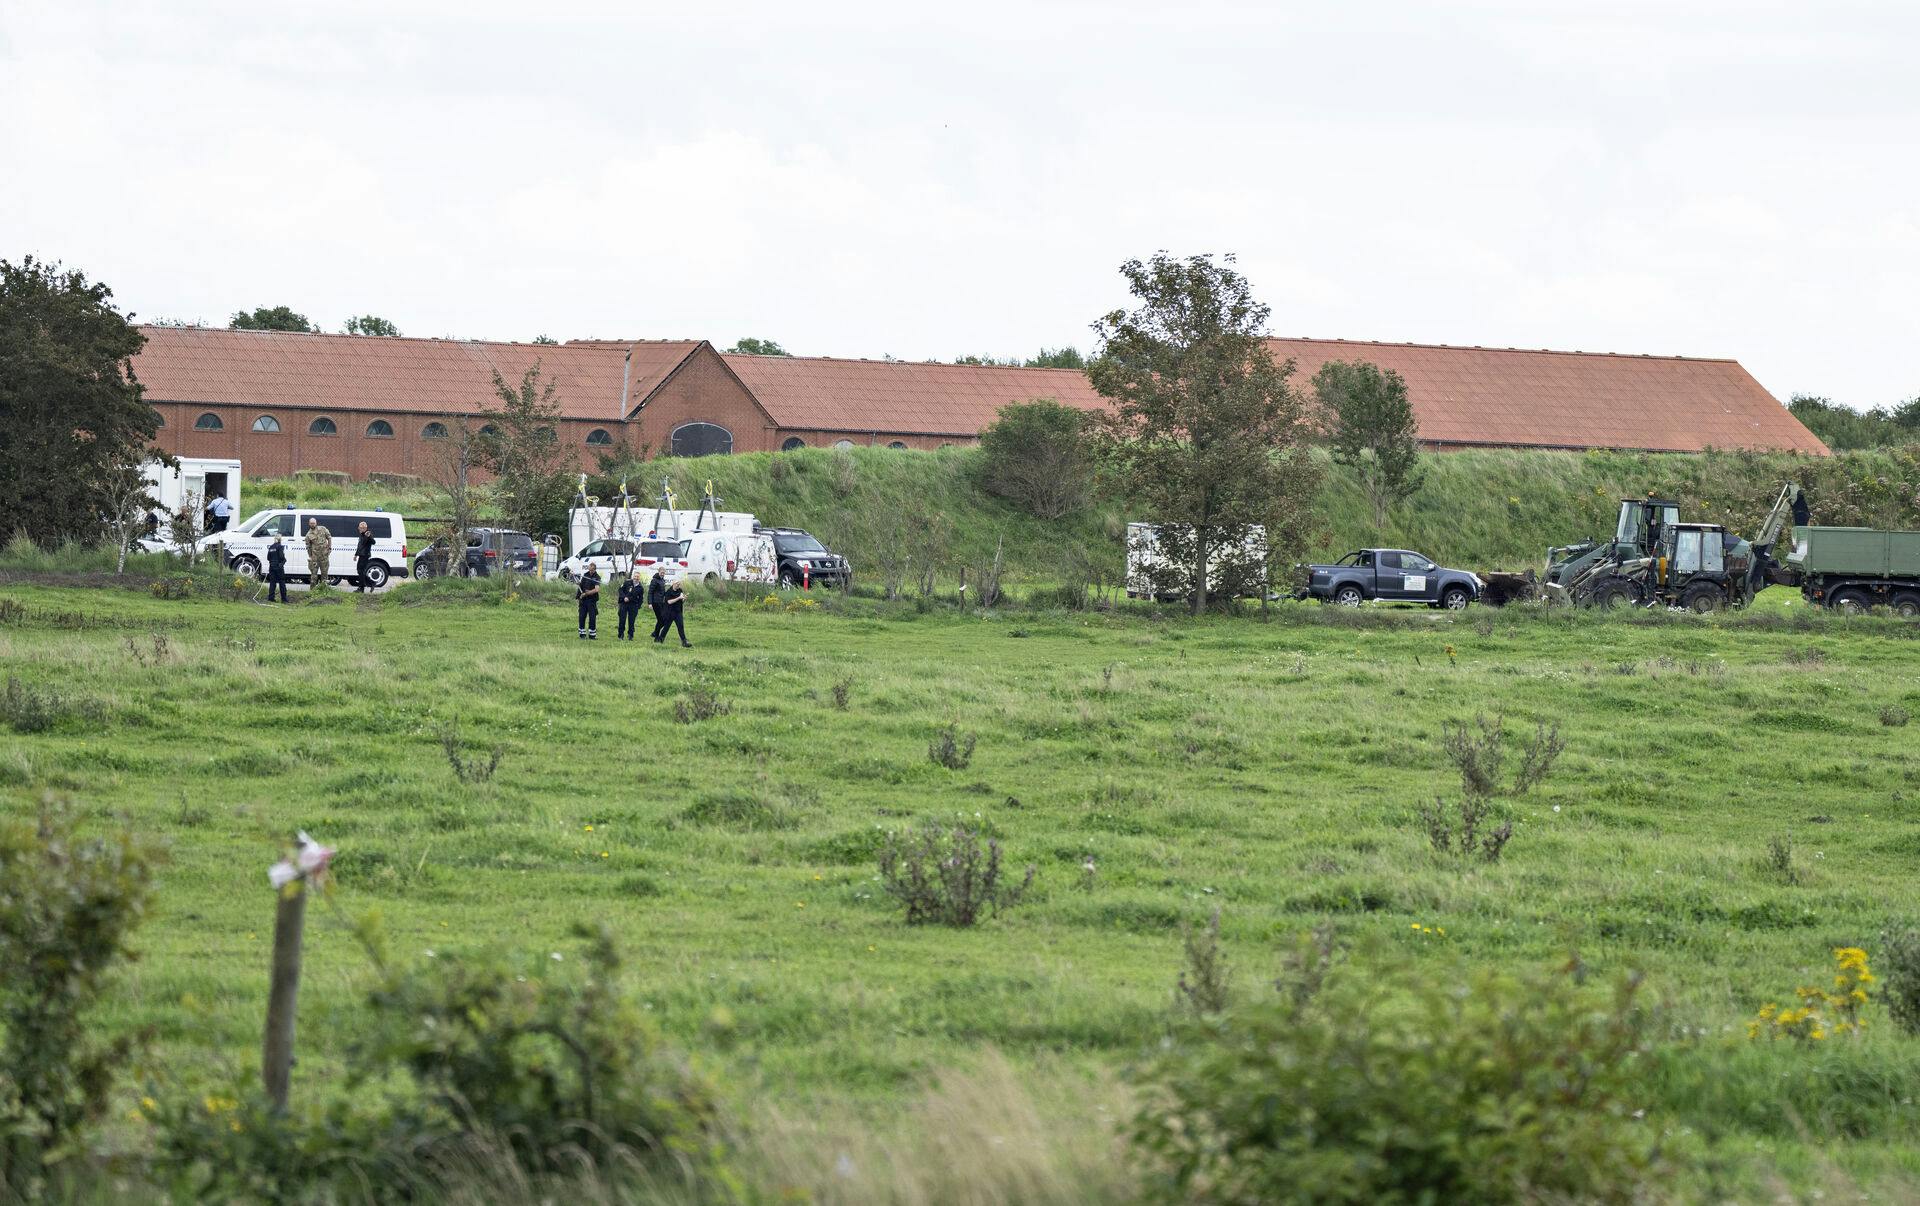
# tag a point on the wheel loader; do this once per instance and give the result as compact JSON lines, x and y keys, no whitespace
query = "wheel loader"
{"x":1698,"y":566}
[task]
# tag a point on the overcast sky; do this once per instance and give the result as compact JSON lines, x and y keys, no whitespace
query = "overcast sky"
{"x":1664,"y":176}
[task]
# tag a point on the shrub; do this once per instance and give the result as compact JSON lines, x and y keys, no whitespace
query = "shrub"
{"x":842,"y":691}
{"x":1900,"y":967}
{"x":1390,"y":1083}
{"x":1205,"y":983}
{"x":1780,"y":858}
{"x":30,"y":709}
{"x":1538,"y":753}
{"x":943,"y":877}
{"x":950,"y":749}
{"x":67,"y":907}
{"x":468,"y":770}
{"x":1894,"y":716}
{"x":699,"y":703}
{"x":1477,"y":755}
{"x":1464,"y":833}
{"x":1037,"y":456}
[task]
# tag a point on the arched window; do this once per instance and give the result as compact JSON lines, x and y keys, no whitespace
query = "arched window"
{"x":791,"y":443}
{"x":490,"y":431}
{"x":946,"y":446}
{"x":159,"y":420}
{"x":843,"y":444}
{"x":209,"y":422}
{"x":434,"y":431}
{"x":322,"y":426}
{"x":899,"y":444}
{"x":266,"y":423}
{"x":380,"y":429}
{"x":701,"y":439}
{"x":599,"y":436}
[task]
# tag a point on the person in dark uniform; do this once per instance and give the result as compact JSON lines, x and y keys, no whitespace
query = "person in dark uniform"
{"x":676,"y":600}
{"x":277,"y":570}
{"x":587,"y":591}
{"x":631,"y":595}
{"x":657,"y":599}
{"x":363,"y":553}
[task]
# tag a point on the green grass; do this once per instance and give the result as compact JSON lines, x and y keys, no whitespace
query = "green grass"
{"x":1482,"y":509}
{"x":1267,"y":769}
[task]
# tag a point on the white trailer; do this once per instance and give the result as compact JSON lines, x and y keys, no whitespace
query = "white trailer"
{"x":588,"y":524}
{"x":192,"y":486}
{"x":1145,"y":561}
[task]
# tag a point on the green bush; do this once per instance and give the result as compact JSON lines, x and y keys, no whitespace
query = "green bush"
{"x":1899,"y":961}
{"x":67,"y":907}
{"x":474,"y":1064}
{"x":1382,"y":1083}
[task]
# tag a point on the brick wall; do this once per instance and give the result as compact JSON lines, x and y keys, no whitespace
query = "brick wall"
{"x":702,"y":389}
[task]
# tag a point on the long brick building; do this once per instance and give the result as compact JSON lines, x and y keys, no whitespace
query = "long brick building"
{"x":284,"y":402}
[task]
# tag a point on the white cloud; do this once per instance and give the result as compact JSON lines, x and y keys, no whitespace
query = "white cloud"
{"x":859,"y":179}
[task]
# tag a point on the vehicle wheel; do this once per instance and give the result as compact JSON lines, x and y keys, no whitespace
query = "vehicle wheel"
{"x":788,"y":579}
{"x":711,"y":578}
{"x":246,"y":567}
{"x":422,"y":570}
{"x":1455,"y":598}
{"x":1617,"y":592}
{"x":1349,"y":596}
{"x":1701,"y":599}
{"x":1906,"y":605}
{"x":1853,"y":602}
{"x":376,"y":574}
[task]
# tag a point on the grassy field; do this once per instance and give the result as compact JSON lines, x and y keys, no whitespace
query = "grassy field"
{"x":1269,"y":769}
{"x":1481,"y":510}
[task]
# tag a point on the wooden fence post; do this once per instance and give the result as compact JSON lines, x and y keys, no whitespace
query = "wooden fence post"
{"x":289,"y":921}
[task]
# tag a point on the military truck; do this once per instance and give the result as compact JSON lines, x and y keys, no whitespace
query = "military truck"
{"x":1852,"y":569}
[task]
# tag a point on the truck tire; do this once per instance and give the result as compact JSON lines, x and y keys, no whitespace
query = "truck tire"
{"x":1852,"y":600}
{"x":1456,"y":598}
{"x":246,"y":567}
{"x":1349,"y":595}
{"x":1906,"y":604}
{"x":1611,"y":593}
{"x":1700,"y":598}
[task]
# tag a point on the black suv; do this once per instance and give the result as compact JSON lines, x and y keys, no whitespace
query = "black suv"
{"x":804,"y":560}
{"x":486,"y":549}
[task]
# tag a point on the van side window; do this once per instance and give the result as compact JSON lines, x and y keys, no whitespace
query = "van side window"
{"x":347,"y":527}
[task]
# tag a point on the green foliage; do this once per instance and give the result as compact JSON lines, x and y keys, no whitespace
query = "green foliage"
{"x":525,"y":454}
{"x":73,"y":427}
{"x":1899,"y":959}
{"x":1207,"y":433}
{"x":1373,"y":430}
{"x":546,"y":341}
{"x":68,"y":905}
{"x":1063,"y":357}
{"x":749,"y":346}
{"x":521,"y":1067}
{"x":370,"y":324}
{"x":943,"y":877}
{"x":1389,"y":1083}
{"x":271,"y":318}
{"x":1038,"y":455}
{"x":1843,"y":427}
{"x":26,"y":708}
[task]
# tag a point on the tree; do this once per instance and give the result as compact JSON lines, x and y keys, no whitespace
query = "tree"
{"x":546,"y":340}
{"x":1068,"y":357}
{"x":126,"y":504}
{"x":1372,"y":428}
{"x":451,"y":470}
{"x":524,"y":452}
{"x":1207,"y":433}
{"x":987,"y":361}
{"x":72,"y":420}
{"x":1038,"y":455}
{"x":369,"y":324}
{"x":275,"y":318}
{"x":750,"y":346}
{"x":1842,"y":427}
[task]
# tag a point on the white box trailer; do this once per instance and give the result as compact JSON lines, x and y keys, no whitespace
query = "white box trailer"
{"x":193,"y":485}
{"x":704,"y":545}
{"x":588,"y":524}
{"x":1145,"y":560}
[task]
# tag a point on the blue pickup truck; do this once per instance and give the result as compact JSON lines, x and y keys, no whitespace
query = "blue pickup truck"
{"x":1393,"y":576}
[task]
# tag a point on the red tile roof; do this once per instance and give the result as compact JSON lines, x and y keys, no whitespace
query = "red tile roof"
{"x":1506,"y":396}
{"x":825,"y":394}
{"x":427,"y":376}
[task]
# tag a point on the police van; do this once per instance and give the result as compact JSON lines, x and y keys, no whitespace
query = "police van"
{"x":244,"y":547}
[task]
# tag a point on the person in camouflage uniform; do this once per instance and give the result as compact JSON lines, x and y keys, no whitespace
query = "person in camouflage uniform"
{"x":319,"y":552}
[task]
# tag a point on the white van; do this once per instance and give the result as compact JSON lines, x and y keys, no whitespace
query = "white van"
{"x":194,"y":484}
{"x":1145,"y":561}
{"x":708,"y":556}
{"x":244,"y":548}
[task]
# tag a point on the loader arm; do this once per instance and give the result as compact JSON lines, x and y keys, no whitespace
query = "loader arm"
{"x":1792,"y":500}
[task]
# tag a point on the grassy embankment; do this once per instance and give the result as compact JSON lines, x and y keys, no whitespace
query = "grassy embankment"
{"x":1479,"y":510}
{"x":1270,"y":770}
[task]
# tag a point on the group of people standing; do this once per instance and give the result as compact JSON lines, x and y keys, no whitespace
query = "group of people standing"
{"x":668,"y":603}
{"x":319,"y":543}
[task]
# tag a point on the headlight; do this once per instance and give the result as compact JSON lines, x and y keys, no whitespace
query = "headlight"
{"x":806,"y":565}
